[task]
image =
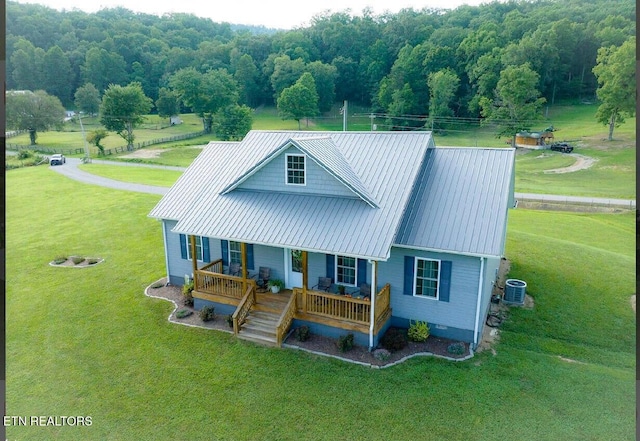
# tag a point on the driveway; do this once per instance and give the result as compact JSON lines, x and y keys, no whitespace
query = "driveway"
{"x":71,"y":170}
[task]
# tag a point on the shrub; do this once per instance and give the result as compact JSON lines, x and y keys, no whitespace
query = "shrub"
{"x":93,"y":261}
{"x":303,"y":333}
{"x":230,"y":320}
{"x":394,"y":339}
{"x":345,"y":343}
{"x":381,"y":354}
{"x":59,"y":260}
{"x":207,"y":313}
{"x":24,"y":154}
{"x":418,"y":331}
{"x":187,"y":290}
{"x":456,"y":348}
{"x":77,"y":259}
{"x":183,"y":313}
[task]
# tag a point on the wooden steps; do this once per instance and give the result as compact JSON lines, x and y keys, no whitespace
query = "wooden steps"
{"x":260,"y":324}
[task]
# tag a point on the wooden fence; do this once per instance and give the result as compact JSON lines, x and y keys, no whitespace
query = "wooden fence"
{"x":94,"y":151}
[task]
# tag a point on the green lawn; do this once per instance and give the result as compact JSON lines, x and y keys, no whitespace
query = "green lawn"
{"x":88,"y":342}
{"x":138,"y":175}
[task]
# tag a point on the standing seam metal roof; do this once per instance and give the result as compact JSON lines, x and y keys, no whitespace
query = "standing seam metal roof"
{"x":449,"y":199}
{"x":461,"y":203}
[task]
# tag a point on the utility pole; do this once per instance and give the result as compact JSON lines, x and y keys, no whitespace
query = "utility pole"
{"x":86,"y":158}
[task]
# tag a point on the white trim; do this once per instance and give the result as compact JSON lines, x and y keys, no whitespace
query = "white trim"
{"x":238,"y":251}
{"x":372,"y":317}
{"x":480,"y":282}
{"x":355,"y":280}
{"x":438,"y":250}
{"x":166,"y":249}
{"x":415,"y":277}
{"x":304,"y":169}
{"x":188,"y":239}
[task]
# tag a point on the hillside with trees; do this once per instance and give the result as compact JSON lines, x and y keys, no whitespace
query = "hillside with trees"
{"x":429,"y":63}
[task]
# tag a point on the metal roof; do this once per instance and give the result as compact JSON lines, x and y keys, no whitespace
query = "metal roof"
{"x":461,"y":201}
{"x":449,"y":199}
{"x":386,"y":164}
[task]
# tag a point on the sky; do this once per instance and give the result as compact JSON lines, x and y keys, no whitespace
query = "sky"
{"x":280,"y":14}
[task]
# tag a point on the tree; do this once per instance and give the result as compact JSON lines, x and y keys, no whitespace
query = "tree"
{"x":123,"y":109}
{"x":87,"y":99}
{"x":516,"y":102}
{"x":616,"y":75}
{"x":57,"y":74}
{"x":233,"y":122}
{"x":96,"y":136}
{"x":168,"y":103}
{"x":324,"y":76}
{"x":33,"y":111}
{"x":205,"y":93}
{"x":300,"y":100}
{"x":442,"y":90}
{"x":103,"y":68}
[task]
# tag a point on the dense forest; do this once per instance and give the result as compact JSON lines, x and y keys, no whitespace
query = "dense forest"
{"x":408,"y":63}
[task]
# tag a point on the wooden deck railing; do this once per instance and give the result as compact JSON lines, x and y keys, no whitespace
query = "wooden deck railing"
{"x":341,"y":307}
{"x":286,"y":318}
{"x":209,"y":282}
{"x":383,"y":301}
{"x":243,"y":308}
{"x":213,"y":267}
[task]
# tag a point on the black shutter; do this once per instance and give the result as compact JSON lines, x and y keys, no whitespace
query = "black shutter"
{"x":362,"y":272}
{"x":409,"y":263}
{"x":206,"y":254}
{"x":250,"y":265}
{"x":445,"y":280}
{"x":224,"y":244}
{"x":331,"y":267}
{"x":183,"y":246}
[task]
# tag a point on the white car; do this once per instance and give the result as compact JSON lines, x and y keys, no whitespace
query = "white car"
{"x":57,"y":159}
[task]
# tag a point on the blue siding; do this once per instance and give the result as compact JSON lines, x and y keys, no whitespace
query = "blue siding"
{"x":272,"y":177}
{"x":178,"y":266}
{"x":458,"y":313}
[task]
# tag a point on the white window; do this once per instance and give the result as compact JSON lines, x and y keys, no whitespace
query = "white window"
{"x":346,"y":270}
{"x":198,"y":248}
{"x":296,"y":172}
{"x":235,"y":252}
{"x":427,"y":281}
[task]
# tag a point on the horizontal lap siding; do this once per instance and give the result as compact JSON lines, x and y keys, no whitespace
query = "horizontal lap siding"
{"x":459,"y":312}
{"x":272,"y":177}
{"x":270,"y":257}
{"x":178,"y":266}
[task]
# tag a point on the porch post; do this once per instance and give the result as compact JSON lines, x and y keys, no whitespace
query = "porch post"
{"x":372,"y":318}
{"x":243,"y":251}
{"x":194,"y":258}
{"x":305,"y":280}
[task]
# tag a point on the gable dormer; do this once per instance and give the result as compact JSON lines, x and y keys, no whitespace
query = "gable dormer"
{"x":306,"y":165}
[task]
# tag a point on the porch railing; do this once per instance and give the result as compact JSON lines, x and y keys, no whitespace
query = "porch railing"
{"x":341,"y":307}
{"x":239,"y":316}
{"x":213,"y":267}
{"x":286,"y":318}
{"x":209,"y":281}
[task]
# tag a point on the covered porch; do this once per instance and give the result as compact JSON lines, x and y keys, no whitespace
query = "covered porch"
{"x":349,"y":312}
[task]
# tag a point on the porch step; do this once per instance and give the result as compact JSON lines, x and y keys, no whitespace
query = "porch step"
{"x":260,"y":327}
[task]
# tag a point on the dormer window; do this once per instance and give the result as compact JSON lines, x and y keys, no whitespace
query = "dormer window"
{"x":296,"y":171}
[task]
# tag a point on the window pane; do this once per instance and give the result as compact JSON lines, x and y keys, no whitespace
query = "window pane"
{"x":295,"y":169}
{"x":427,"y":278}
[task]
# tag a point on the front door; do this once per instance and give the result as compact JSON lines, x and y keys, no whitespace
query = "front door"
{"x":293,"y":268}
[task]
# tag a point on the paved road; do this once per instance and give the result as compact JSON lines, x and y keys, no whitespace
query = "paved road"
{"x":71,"y":170}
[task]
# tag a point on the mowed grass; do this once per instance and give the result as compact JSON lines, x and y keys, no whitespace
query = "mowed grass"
{"x":138,"y":175}
{"x":88,"y":342}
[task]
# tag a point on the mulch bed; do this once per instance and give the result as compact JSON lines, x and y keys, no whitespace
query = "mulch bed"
{"x":318,"y":344}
